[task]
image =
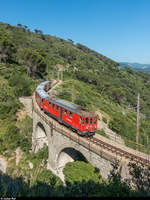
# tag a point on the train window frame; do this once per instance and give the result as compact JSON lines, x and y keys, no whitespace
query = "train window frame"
{"x":43,"y":101}
{"x":91,"y":120}
{"x":57,"y":107}
{"x":95,"y":120}
{"x":70,"y":114}
{"x":65,"y":112}
{"x":53,"y":106}
{"x":80,"y":120}
{"x":83,"y":121}
{"x":86,"y":121}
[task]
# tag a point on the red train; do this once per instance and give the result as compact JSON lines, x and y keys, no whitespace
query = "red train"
{"x":67,"y":113}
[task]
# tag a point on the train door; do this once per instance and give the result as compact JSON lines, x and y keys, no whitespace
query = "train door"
{"x":82,"y":123}
{"x":46,"y":104}
{"x":60,"y":114}
{"x":42,"y":103}
{"x":87,"y":123}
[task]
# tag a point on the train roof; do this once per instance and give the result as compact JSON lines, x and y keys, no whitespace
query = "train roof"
{"x":68,"y":104}
{"x":63,"y":103}
{"x":72,"y":107}
{"x":42,"y":94}
{"x":40,"y":89}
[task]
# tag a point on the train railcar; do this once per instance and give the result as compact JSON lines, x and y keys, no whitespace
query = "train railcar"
{"x":78,"y":118}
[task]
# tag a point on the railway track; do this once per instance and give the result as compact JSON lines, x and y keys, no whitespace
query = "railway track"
{"x":119,"y":151}
{"x":104,"y":145}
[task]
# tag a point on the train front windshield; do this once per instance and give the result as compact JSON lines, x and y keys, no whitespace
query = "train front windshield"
{"x":91,"y":120}
{"x":88,"y":120}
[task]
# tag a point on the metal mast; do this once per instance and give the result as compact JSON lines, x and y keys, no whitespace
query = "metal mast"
{"x":138,"y":122}
{"x":73,"y":94}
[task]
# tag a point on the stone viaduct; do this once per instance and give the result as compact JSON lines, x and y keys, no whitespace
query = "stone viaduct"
{"x":66,"y":146}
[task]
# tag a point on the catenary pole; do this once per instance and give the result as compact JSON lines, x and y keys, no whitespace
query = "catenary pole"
{"x":138,"y":122}
{"x":73,"y":95}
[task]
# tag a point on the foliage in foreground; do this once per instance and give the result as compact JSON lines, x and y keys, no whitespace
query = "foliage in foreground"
{"x":46,"y":184}
{"x":78,"y":171}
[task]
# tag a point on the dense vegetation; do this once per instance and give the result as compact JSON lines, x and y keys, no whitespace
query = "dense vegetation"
{"x":40,"y":182}
{"x":99,"y":84}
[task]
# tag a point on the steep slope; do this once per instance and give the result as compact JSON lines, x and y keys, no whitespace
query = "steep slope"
{"x":100,"y":84}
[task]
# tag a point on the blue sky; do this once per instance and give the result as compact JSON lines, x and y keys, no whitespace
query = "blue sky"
{"x":119,"y":29}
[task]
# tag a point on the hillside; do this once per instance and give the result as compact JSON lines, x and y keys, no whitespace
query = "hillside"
{"x":99,"y":84}
{"x":136,"y":66}
{"x":26,"y":57}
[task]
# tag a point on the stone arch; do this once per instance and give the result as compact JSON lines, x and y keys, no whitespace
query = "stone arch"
{"x":40,"y":136}
{"x":68,"y":153}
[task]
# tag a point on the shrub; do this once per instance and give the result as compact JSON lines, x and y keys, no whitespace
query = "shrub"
{"x":10,"y":138}
{"x":78,"y":171}
{"x":102,"y":132}
{"x":104,"y":120}
{"x":21,"y":85}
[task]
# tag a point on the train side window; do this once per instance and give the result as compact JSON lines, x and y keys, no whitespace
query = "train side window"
{"x":43,"y":101}
{"x":80,"y":120}
{"x":95,"y":120}
{"x":91,"y":120}
{"x":57,"y":108}
{"x":65,"y":112}
{"x":70,"y":115}
{"x":49,"y":104}
{"x":86,"y":120}
{"x":53,"y":106}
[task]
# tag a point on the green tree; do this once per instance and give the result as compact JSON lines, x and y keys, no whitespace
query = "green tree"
{"x":117,"y":94}
{"x":7,"y":48}
{"x":33,"y":60}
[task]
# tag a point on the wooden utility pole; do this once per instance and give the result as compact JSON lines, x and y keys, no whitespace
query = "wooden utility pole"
{"x":138,"y":122}
{"x":62,"y":75}
{"x":53,"y":75}
{"x":57,"y":75}
{"x":47,"y":72}
{"x":147,"y":146}
{"x":73,"y":95}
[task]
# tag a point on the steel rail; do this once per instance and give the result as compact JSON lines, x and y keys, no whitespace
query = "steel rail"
{"x":92,"y":140}
{"x":119,"y":151}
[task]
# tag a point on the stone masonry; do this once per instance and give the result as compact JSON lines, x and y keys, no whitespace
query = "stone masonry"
{"x":63,"y":147}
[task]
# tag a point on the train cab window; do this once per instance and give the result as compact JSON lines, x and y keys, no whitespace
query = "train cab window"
{"x":95,"y":120}
{"x":86,"y":120}
{"x":70,"y":115}
{"x":53,"y":106}
{"x":65,"y":112}
{"x":91,"y":120}
{"x":57,"y":107}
